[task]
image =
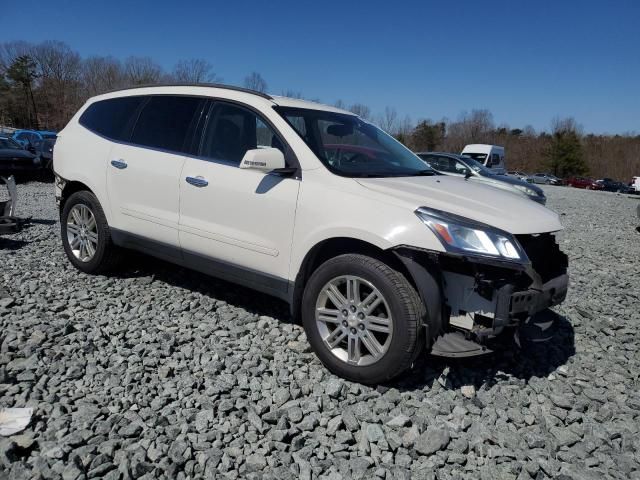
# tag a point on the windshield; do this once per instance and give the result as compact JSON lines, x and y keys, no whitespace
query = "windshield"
{"x":477,"y":166}
{"x":351,"y":147}
{"x":481,"y":157}
{"x":10,"y":144}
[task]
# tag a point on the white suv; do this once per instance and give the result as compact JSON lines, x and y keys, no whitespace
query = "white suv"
{"x":378,"y":254}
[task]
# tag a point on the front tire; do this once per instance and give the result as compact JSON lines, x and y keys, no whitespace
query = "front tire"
{"x":362,"y":318}
{"x":86,"y":237}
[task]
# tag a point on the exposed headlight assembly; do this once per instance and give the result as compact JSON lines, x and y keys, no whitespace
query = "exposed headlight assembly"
{"x":462,"y":235}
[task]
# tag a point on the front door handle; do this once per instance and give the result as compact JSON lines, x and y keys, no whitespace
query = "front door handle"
{"x":197,"y":181}
{"x":119,"y":164}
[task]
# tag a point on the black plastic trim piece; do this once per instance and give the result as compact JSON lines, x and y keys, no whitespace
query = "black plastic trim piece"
{"x":269,"y":284}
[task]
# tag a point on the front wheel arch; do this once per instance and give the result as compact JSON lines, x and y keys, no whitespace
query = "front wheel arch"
{"x":333,"y":247}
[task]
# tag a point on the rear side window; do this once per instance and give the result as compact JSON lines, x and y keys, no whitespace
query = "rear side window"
{"x":111,"y":118}
{"x":165,"y":121}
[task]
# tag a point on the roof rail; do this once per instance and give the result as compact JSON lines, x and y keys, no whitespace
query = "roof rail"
{"x":188,"y":84}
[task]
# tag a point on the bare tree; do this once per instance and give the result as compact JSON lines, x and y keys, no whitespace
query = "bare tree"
{"x":340,"y":104}
{"x":10,"y":51}
{"x":388,"y":121}
{"x":141,"y":71}
{"x":292,"y":93}
{"x":565,"y":125}
{"x":361,"y":110}
{"x":255,"y":82}
{"x":60,"y":71}
{"x":195,"y":70}
{"x":101,"y":74}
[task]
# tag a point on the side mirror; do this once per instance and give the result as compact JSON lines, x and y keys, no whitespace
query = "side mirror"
{"x":265,"y":159}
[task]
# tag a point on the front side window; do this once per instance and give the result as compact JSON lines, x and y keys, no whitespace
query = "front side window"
{"x":232,"y":130}
{"x":164,"y":122}
{"x":351,"y":147}
{"x":111,"y":118}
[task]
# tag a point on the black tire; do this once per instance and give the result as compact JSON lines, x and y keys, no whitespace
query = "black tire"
{"x":107,"y":255}
{"x":406,"y":308}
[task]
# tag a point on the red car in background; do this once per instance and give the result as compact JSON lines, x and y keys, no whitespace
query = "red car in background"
{"x":583,"y":182}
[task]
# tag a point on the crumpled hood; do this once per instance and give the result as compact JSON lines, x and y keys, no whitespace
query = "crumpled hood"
{"x":501,"y":209}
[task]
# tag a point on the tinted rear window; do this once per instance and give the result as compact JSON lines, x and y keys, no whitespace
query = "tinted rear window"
{"x":111,"y":118}
{"x":164,"y":122}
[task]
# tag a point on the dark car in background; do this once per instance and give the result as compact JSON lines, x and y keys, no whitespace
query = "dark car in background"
{"x":611,"y":185}
{"x":29,"y":137}
{"x":474,"y":171}
{"x":44,"y":149}
{"x":583,"y":182}
{"x":14,"y":158}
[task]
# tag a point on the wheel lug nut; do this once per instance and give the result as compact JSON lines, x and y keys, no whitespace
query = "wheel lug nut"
{"x":345,"y":313}
{"x":353,"y":308}
{"x":361,"y":316}
{"x":361,"y":326}
{"x":344,"y":323}
{"x":353,"y":330}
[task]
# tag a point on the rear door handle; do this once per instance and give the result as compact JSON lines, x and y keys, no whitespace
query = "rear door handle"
{"x":197,"y":181}
{"x":119,"y":164}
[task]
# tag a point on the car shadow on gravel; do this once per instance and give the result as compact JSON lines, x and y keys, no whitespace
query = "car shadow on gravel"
{"x":506,"y":362}
{"x":148,"y":269}
{"x":11,"y":244}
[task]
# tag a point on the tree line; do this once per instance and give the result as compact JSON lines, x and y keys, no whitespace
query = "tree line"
{"x":43,"y":85}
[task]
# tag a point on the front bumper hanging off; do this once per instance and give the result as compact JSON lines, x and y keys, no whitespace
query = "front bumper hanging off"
{"x":479,"y":297}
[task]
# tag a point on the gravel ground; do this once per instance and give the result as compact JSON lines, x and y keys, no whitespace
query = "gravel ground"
{"x":164,"y":373}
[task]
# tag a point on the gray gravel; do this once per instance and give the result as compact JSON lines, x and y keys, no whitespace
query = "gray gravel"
{"x":164,"y":373}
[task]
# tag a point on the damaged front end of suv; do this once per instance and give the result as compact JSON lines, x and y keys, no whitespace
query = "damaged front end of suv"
{"x":486,"y":281}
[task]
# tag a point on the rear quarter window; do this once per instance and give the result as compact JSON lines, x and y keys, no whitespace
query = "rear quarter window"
{"x":165,"y":122}
{"x":111,"y":118}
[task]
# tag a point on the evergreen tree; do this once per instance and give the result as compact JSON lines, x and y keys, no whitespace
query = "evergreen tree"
{"x":565,"y":156}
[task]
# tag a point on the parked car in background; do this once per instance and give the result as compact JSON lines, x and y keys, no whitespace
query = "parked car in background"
{"x":611,"y":185}
{"x":14,"y":158}
{"x":474,"y":171}
{"x":520,"y":175}
{"x":491,"y":156}
{"x":583,"y":182}
{"x":635,"y":184}
{"x":380,"y":256}
{"x":546,"y":178}
{"x":26,"y":137}
{"x":44,"y":149}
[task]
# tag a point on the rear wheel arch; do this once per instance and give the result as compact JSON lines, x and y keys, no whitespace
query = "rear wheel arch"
{"x":70,"y":188}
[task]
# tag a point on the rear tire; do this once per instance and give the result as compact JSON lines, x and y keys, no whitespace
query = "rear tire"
{"x":364,"y":350}
{"x":86,"y":236}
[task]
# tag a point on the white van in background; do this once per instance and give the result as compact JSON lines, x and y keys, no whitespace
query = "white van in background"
{"x":635,"y":184}
{"x":491,"y":156}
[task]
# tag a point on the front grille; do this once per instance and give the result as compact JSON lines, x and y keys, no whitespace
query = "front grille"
{"x":546,"y":257}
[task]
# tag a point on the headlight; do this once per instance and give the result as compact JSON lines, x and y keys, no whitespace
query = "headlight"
{"x":529,"y":191}
{"x":462,"y":235}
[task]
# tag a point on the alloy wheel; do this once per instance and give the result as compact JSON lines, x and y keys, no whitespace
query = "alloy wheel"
{"x":354,"y":320}
{"x":82,"y":232}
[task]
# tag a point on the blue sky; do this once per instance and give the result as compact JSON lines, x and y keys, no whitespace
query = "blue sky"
{"x":527,"y":62}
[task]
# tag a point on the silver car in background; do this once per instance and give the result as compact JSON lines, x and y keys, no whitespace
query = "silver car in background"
{"x":472,"y":170}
